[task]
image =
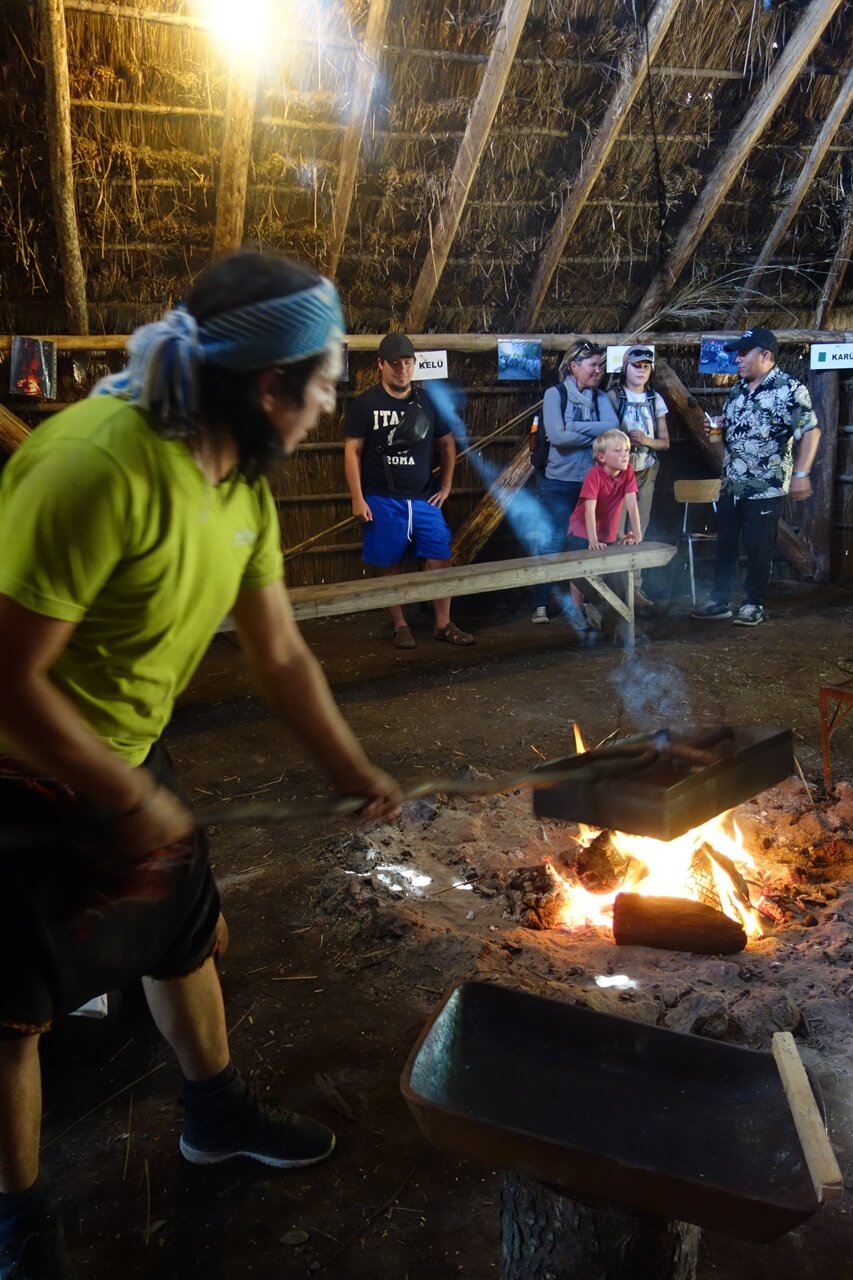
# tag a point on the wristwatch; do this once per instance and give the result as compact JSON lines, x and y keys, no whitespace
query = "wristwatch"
{"x":801,"y":475}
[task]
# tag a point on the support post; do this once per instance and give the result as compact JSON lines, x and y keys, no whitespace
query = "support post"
{"x":596,"y":158}
{"x":235,"y":158}
{"x":815,"y":515}
{"x":491,"y":509}
{"x":471,"y":149}
{"x":54,"y":52}
{"x":368,"y":61}
{"x":12,"y":432}
{"x":769,"y":97}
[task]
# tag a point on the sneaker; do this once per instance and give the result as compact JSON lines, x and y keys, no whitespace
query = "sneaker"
{"x":750,"y":615}
{"x":259,"y":1131}
{"x":540,"y":615}
{"x":713,"y":609}
{"x":34,"y":1249}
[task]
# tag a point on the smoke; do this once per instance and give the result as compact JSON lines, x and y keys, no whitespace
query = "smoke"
{"x":650,"y":693}
{"x":521,"y":508}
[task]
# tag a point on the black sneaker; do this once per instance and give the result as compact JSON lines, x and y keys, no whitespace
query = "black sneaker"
{"x":750,"y":615}
{"x":713,"y":609}
{"x":259,"y":1131}
{"x":35,"y":1249}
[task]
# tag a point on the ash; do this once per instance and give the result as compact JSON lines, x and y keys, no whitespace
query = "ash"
{"x":454,"y":883}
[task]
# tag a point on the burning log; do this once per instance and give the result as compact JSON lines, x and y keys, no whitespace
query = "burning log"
{"x":537,"y":896}
{"x":547,"y":1233}
{"x":600,"y":867}
{"x":675,"y":924}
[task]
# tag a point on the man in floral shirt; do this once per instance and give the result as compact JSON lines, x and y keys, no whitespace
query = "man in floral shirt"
{"x":767,"y":410}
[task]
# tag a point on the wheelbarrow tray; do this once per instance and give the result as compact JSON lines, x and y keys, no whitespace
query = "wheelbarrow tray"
{"x":605,"y":1107}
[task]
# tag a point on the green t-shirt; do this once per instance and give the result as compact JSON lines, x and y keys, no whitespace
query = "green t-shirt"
{"x":105,"y":524}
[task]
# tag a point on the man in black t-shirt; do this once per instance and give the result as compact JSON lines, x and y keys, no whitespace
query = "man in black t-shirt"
{"x":390,"y":434}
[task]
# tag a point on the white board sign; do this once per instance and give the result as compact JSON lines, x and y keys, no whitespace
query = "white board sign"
{"x":615,"y":355}
{"x":430,"y":364}
{"x":832,"y":355}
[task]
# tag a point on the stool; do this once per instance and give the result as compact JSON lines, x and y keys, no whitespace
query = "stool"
{"x":841,"y":697}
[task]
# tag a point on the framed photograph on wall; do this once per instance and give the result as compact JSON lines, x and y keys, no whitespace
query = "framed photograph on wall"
{"x":519,"y":360}
{"x":32,"y":368}
{"x":713,"y":358}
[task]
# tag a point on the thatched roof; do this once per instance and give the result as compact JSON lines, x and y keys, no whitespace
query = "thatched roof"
{"x":149,"y":96}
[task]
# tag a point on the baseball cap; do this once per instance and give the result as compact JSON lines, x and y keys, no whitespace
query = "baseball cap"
{"x":757,"y":337}
{"x":396,"y":346}
{"x":635,"y":354}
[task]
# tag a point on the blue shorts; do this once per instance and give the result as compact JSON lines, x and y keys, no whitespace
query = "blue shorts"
{"x":404,"y":526}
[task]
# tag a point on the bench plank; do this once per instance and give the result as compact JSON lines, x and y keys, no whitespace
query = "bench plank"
{"x":335,"y":598}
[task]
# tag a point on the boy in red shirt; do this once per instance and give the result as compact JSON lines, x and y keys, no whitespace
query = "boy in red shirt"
{"x":594,"y":523}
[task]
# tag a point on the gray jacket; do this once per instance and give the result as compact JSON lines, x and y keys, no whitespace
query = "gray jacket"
{"x":571,"y":435}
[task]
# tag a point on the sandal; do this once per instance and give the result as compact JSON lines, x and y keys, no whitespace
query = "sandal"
{"x":453,"y":635}
{"x":403,"y":639}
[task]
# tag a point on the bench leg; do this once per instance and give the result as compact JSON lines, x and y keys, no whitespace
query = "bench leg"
{"x":625,"y":608}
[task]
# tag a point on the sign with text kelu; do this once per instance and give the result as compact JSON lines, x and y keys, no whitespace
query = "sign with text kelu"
{"x":831,"y":355}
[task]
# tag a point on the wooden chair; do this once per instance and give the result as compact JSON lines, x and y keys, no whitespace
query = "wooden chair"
{"x":695,"y":493}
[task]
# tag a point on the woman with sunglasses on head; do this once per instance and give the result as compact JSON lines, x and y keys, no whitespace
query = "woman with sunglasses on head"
{"x":574,"y":414}
{"x":641,"y":411}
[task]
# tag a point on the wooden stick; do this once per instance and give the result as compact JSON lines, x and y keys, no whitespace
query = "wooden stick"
{"x":477,"y":342}
{"x":820,"y":1158}
{"x":768,"y":99}
{"x":368,"y":65}
{"x":54,"y":52}
{"x":468,"y":157}
{"x":596,"y":156}
{"x":236,"y":156}
{"x":796,"y":195}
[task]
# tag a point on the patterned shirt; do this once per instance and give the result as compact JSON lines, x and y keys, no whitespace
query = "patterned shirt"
{"x":760,"y":428}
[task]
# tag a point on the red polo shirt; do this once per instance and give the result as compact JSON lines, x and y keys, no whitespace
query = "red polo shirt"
{"x":608,"y":492}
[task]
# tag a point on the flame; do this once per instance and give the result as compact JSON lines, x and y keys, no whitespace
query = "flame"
{"x":662,"y":867}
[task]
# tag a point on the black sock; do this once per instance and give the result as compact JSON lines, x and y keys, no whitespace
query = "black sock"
{"x":17,"y":1207}
{"x":213,"y":1102}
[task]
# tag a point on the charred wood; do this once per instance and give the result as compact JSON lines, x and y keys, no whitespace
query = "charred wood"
{"x":676,"y":924}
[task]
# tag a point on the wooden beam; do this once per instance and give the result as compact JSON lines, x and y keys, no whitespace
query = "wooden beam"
{"x":54,"y":53}
{"x":840,"y":263}
{"x":236,"y":156}
{"x":489,"y":512}
{"x":368,"y":63}
{"x":815,"y":515}
{"x":471,"y":149}
{"x":477,"y":342}
{"x":796,"y":195}
{"x":769,"y":98}
{"x":596,"y":158}
{"x":12,"y":432}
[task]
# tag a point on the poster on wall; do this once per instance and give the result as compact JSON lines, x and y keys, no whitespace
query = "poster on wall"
{"x":32,"y":368}
{"x":519,"y":360}
{"x":713,"y":357}
{"x":430,"y":365}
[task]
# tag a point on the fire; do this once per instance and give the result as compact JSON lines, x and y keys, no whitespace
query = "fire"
{"x":668,"y":868}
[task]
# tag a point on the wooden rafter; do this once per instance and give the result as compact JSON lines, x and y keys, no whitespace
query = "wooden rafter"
{"x":351,"y":144}
{"x":54,"y":52}
{"x":236,"y":156}
{"x":840,"y":263}
{"x":595,"y":159}
{"x":796,"y":195}
{"x":471,"y":149}
{"x":769,"y":98}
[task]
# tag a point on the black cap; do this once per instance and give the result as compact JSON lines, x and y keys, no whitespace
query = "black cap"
{"x":396,"y":346}
{"x":757,"y":337}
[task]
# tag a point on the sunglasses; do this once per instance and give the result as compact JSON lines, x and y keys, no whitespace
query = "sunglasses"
{"x":586,"y":349}
{"x":641,"y":353}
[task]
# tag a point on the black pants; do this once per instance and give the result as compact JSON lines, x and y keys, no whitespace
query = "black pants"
{"x":756,"y":520}
{"x":62,"y":941}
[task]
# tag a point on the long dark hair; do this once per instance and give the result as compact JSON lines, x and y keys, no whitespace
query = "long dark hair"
{"x":228,"y":403}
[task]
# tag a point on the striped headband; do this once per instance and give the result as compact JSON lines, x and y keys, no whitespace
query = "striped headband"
{"x":161,"y":374}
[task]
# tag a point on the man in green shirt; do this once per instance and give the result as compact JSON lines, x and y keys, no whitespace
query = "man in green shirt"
{"x":129,"y":526}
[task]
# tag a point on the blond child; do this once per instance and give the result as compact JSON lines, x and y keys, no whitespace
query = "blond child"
{"x":608,"y":486}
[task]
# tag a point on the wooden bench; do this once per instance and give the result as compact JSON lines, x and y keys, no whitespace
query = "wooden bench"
{"x":362,"y":594}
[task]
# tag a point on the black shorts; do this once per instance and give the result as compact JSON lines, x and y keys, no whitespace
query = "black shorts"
{"x":61,"y":942}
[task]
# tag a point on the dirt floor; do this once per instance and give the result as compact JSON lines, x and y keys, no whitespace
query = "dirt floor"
{"x":330,"y":977}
